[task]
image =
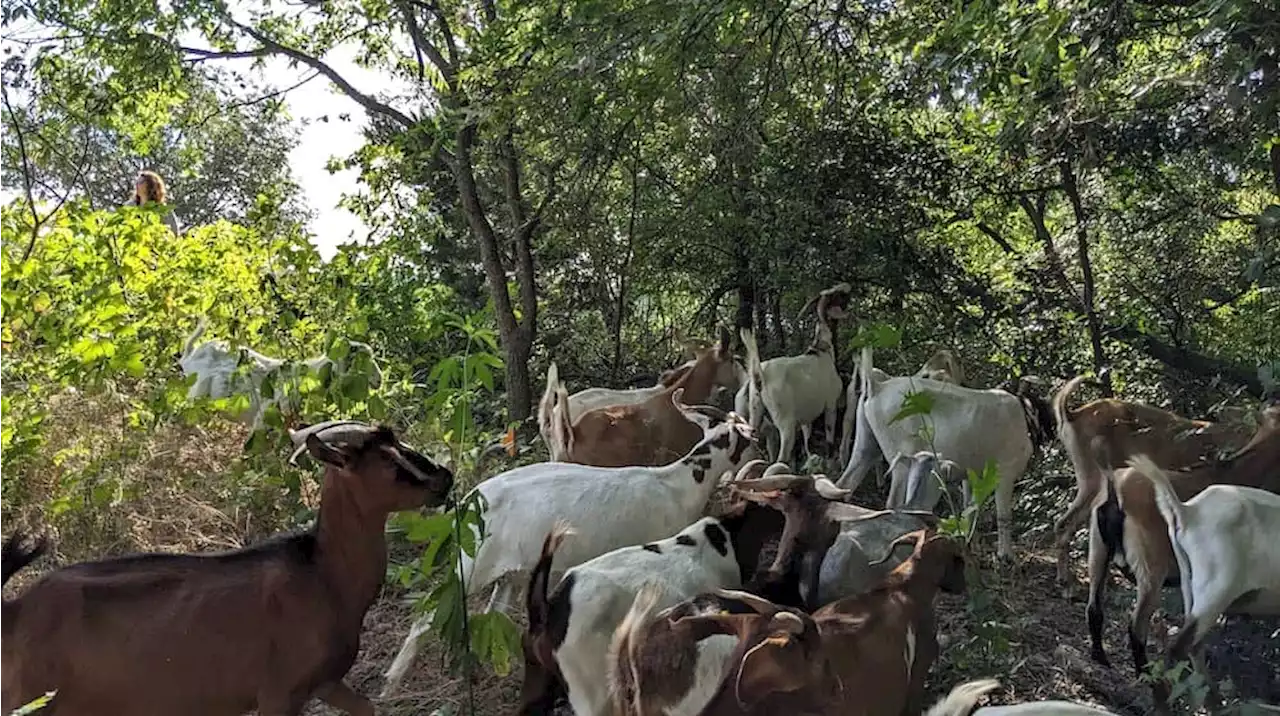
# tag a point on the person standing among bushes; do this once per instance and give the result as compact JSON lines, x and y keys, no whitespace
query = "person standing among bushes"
{"x":149,"y":188}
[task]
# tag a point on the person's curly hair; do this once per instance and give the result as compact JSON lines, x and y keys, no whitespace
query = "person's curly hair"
{"x":148,"y":187}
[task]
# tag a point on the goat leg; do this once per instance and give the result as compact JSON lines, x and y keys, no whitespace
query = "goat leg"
{"x":340,"y":696}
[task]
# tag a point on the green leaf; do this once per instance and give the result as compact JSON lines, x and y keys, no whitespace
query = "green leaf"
{"x":339,"y":349}
{"x":983,"y":485}
{"x":880,"y":335}
{"x":377,"y":407}
{"x":914,"y":403}
{"x":34,"y":705}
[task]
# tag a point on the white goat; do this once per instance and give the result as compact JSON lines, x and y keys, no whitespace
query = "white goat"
{"x":1224,"y":540}
{"x":929,"y":475}
{"x":968,"y":426}
{"x":794,"y":389}
{"x":609,"y":508}
{"x":942,"y":367}
{"x":215,"y":363}
{"x":963,"y":698}
{"x":575,"y":623}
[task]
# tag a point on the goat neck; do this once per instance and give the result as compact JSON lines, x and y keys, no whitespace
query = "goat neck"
{"x":351,"y":543}
{"x":695,"y":476}
{"x":1257,"y":464}
{"x":822,"y":343}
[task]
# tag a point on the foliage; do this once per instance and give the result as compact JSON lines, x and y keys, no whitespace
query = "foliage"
{"x":35,"y":705}
{"x":459,"y":381}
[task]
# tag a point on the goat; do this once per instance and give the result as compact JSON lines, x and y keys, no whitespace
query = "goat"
{"x":673,"y":663}
{"x":963,"y":701}
{"x":1129,"y":429}
{"x":795,"y":390}
{"x":689,"y":664}
{"x":817,"y":519}
{"x":650,"y":433}
{"x":1127,"y":524}
{"x":608,"y":507}
{"x":570,"y":626}
{"x":968,"y":426}
{"x":869,"y":654}
{"x":215,"y":365}
{"x":266,"y":627}
{"x":1224,"y":543}
{"x":929,"y":475}
{"x":595,"y":398}
{"x":944,"y":367}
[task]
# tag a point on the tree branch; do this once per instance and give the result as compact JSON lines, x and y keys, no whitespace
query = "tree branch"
{"x":245,"y":103}
{"x":370,"y":104}
{"x":1188,"y":360}
{"x":996,"y":237}
{"x":199,"y":55}
{"x":36,"y":221}
{"x":423,"y":46}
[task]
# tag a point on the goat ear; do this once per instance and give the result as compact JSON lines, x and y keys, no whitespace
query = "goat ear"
{"x":326,"y":453}
{"x":763,"y":670}
{"x":701,"y":626}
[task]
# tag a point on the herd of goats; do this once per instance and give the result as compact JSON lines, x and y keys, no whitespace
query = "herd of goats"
{"x":667,"y":568}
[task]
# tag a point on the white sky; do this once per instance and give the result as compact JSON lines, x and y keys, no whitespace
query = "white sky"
{"x":318,"y":141}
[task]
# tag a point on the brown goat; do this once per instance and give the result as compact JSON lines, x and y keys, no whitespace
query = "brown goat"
{"x":1128,"y":524}
{"x":650,"y":433}
{"x":266,"y":627}
{"x":1128,"y":429}
{"x":866,"y":655}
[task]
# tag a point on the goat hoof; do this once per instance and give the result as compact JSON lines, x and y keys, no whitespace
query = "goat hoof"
{"x":1100,"y":657}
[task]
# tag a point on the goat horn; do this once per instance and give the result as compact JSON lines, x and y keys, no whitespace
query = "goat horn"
{"x":805,"y":309}
{"x":778,"y":468}
{"x":918,"y":536}
{"x":299,"y":437}
{"x":770,"y":484}
{"x":330,"y":431}
{"x":760,"y":605}
{"x":789,"y":622}
{"x":828,"y":490}
{"x":750,"y":470}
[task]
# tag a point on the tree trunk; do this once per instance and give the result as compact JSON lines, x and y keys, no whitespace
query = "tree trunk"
{"x":516,"y":340}
{"x":1086,"y":274}
{"x":620,"y":310}
{"x":779,"y":334}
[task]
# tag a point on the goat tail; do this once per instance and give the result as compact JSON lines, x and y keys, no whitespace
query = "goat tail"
{"x":190,"y":343}
{"x":755,"y":376}
{"x":548,"y":396}
{"x":624,"y":676}
{"x":865,"y":370}
{"x":1166,"y":499}
{"x":536,"y":603}
{"x":17,"y":554}
{"x":964,"y":698}
{"x":1060,"y":400}
{"x":1174,"y":514}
